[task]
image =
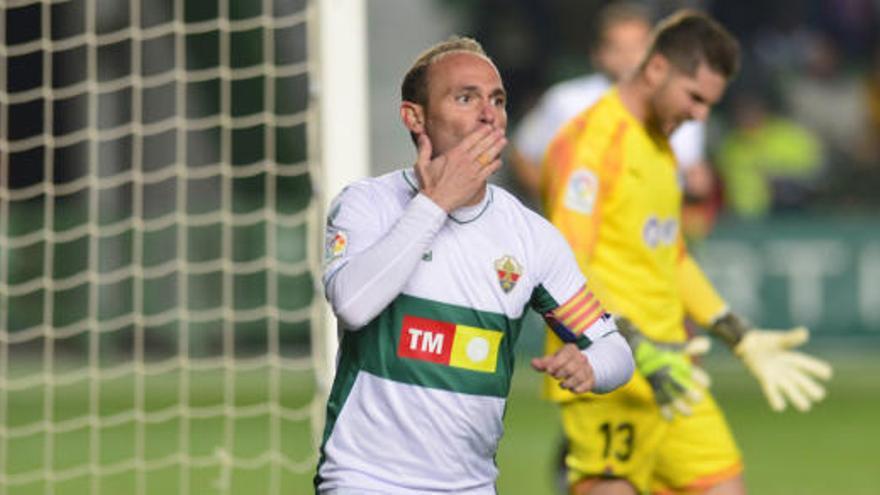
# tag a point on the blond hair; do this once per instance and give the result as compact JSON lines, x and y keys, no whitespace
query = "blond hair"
{"x":414,"y":87}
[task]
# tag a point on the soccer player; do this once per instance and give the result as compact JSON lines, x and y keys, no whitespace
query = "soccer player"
{"x":429,"y":270}
{"x":623,"y":32}
{"x":610,"y":186}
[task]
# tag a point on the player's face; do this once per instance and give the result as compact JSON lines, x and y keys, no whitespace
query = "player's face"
{"x":681,"y":97}
{"x":464,"y":91}
{"x":622,"y":48}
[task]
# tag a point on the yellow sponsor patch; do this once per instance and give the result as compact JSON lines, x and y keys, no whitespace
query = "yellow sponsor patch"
{"x":475,"y":349}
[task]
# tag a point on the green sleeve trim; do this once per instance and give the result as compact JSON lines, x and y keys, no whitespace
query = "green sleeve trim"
{"x":541,"y":300}
{"x":583,"y":342}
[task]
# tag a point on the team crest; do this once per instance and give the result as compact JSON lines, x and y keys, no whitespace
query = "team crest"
{"x":508,"y":271}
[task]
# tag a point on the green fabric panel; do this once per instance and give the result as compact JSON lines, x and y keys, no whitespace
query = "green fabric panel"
{"x":542,"y":301}
{"x":346,"y":373}
{"x":583,"y":342}
{"x":374,"y":348}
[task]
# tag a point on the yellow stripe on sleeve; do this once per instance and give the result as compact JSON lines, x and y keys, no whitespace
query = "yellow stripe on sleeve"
{"x":579,"y":312}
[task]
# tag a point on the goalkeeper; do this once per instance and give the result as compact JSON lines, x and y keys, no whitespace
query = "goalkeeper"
{"x":609,"y":184}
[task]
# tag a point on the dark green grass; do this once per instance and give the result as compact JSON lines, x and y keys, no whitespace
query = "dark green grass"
{"x":832,"y":450}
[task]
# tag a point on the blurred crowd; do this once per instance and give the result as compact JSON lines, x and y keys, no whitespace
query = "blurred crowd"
{"x":800,"y":128}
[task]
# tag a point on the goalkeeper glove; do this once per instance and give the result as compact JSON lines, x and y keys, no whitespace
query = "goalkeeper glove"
{"x":668,"y":369}
{"x":785,"y":375}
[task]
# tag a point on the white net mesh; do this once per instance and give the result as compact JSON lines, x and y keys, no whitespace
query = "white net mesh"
{"x":156,"y":288}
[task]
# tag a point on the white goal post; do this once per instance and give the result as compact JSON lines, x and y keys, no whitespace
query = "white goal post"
{"x":164,"y":169}
{"x":344,"y":116}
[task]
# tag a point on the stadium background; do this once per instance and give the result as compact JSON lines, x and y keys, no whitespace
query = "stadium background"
{"x":816,"y":263}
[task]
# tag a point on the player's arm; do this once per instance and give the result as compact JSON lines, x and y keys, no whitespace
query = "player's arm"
{"x":595,"y":357}
{"x":785,"y":375}
{"x":366,"y":267}
{"x":368,"y":264}
{"x":572,"y":195}
{"x":674,"y":378}
{"x":701,"y":301}
{"x":593,"y":347}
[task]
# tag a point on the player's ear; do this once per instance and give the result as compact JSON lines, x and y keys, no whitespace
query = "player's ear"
{"x":657,"y":69}
{"x":413,"y":117}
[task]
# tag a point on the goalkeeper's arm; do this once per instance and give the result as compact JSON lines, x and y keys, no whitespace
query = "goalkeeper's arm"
{"x":585,"y":327}
{"x":675,"y":380}
{"x":785,"y":375}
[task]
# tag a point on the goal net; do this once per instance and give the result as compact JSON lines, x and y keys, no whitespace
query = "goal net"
{"x":157,"y":223}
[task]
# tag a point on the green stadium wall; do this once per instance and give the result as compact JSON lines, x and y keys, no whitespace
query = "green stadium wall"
{"x":822,"y":272}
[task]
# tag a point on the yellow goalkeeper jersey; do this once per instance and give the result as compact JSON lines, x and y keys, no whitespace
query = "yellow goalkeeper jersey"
{"x":611,"y":187}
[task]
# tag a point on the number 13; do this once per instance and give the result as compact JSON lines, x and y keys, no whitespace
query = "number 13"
{"x":610,"y":433}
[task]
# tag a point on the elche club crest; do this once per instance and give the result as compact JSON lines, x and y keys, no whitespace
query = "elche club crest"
{"x":508,"y":271}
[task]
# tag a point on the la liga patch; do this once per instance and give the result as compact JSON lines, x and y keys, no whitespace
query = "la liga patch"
{"x":336,"y":246}
{"x":582,"y":191}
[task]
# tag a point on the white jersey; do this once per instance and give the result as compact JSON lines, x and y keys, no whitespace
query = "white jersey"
{"x":420,"y":390}
{"x":565,"y":100}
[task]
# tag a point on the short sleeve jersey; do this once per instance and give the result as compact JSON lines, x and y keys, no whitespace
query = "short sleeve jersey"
{"x":611,"y":187}
{"x":417,"y":402}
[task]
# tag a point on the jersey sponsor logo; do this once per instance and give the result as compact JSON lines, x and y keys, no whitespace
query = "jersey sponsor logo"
{"x":658,"y":232}
{"x":509,"y":271}
{"x":441,"y":342}
{"x":582,"y":191}
{"x":336,"y":246}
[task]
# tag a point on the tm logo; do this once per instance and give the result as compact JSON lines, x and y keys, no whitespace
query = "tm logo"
{"x":425,"y":339}
{"x":449,"y":344}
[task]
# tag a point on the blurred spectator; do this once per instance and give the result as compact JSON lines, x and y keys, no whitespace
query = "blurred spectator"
{"x":621,"y":38}
{"x":859,"y":184}
{"x":702,"y":203}
{"x":780,"y":45}
{"x":622,"y":35}
{"x":829,"y":101}
{"x":767,"y":162}
{"x":852,"y":23}
{"x":822,"y":77}
{"x":872,"y":92}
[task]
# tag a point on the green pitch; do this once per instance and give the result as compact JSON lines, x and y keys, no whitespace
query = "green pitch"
{"x":161,"y":441}
{"x":830,"y":450}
